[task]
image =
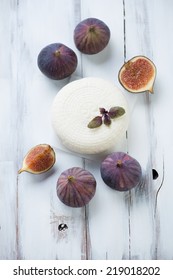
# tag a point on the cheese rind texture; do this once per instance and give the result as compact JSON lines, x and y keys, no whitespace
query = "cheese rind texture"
{"x":76,"y":104}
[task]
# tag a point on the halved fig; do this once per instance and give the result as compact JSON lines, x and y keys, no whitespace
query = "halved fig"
{"x":138,"y":75}
{"x":39,"y":159}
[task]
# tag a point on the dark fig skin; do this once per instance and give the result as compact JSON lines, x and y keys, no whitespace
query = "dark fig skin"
{"x":76,"y":187}
{"x":91,"y":36}
{"x":57,"y":61}
{"x":120,"y":171}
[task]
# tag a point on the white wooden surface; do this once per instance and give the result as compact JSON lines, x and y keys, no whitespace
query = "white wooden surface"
{"x":132,"y":225}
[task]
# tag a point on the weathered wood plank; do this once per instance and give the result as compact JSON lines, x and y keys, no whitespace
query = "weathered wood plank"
{"x":144,"y":28}
{"x":8,"y":91}
{"x":108,"y":213}
{"x":108,"y":220}
{"x":8,"y":211}
{"x":138,"y":29}
{"x":8,"y":120}
{"x":162,"y":113}
{"x":40,"y":212}
{"x":132,"y":225}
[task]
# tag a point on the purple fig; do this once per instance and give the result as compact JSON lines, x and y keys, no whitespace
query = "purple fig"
{"x":76,"y":187}
{"x":57,"y":61}
{"x":91,"y":36}
{"x":120,"y":171}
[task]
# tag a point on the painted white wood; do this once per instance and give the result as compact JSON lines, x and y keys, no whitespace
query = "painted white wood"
{"x":8,"y":211}
{"x":38,"y":222}
{"x":108,"y":220}
{"x":42,"y":212}
{"x":132,"y":225}
{"x":162,"y":112}
{"x":143,"y":26}
{"x":108,"y":209}
{"x":138,"y":41}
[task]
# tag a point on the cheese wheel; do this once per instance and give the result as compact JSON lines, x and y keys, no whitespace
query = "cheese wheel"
{"x":76,"y":104}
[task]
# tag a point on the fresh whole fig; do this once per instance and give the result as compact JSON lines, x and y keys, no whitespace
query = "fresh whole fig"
{"x":76,"y":187}
{"x":39,"y":159}
{"x":120,"y":171}
{"x":57,"y":61}
{"x":91,"y":36}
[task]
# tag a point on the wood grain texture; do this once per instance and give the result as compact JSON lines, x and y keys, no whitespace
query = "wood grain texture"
{"x":142,"y":201}
{"x":132,"y":225}
{"x":9,"y":211}
{"x":163,"y":144}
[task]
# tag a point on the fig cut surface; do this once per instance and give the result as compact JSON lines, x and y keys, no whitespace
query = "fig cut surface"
{"x":138,"y":75}
{"x":39,"y":159}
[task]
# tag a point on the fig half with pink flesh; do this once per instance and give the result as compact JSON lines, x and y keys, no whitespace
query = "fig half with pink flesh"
{"x":39,"y":159}
{"x":138,"y":75}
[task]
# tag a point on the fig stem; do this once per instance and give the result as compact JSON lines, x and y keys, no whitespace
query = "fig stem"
{"x":151,"y":90}
{"x":92,"y":28}
{"x":57,"y":53}
{"x":119,"y":163}
{"x":21,"y":170}
{"x":71,"y":178}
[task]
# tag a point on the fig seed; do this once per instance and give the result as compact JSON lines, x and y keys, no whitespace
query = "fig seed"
{"x":39,"y":159}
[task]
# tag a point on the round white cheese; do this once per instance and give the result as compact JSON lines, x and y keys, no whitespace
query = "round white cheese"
{"x":76,"y":104}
